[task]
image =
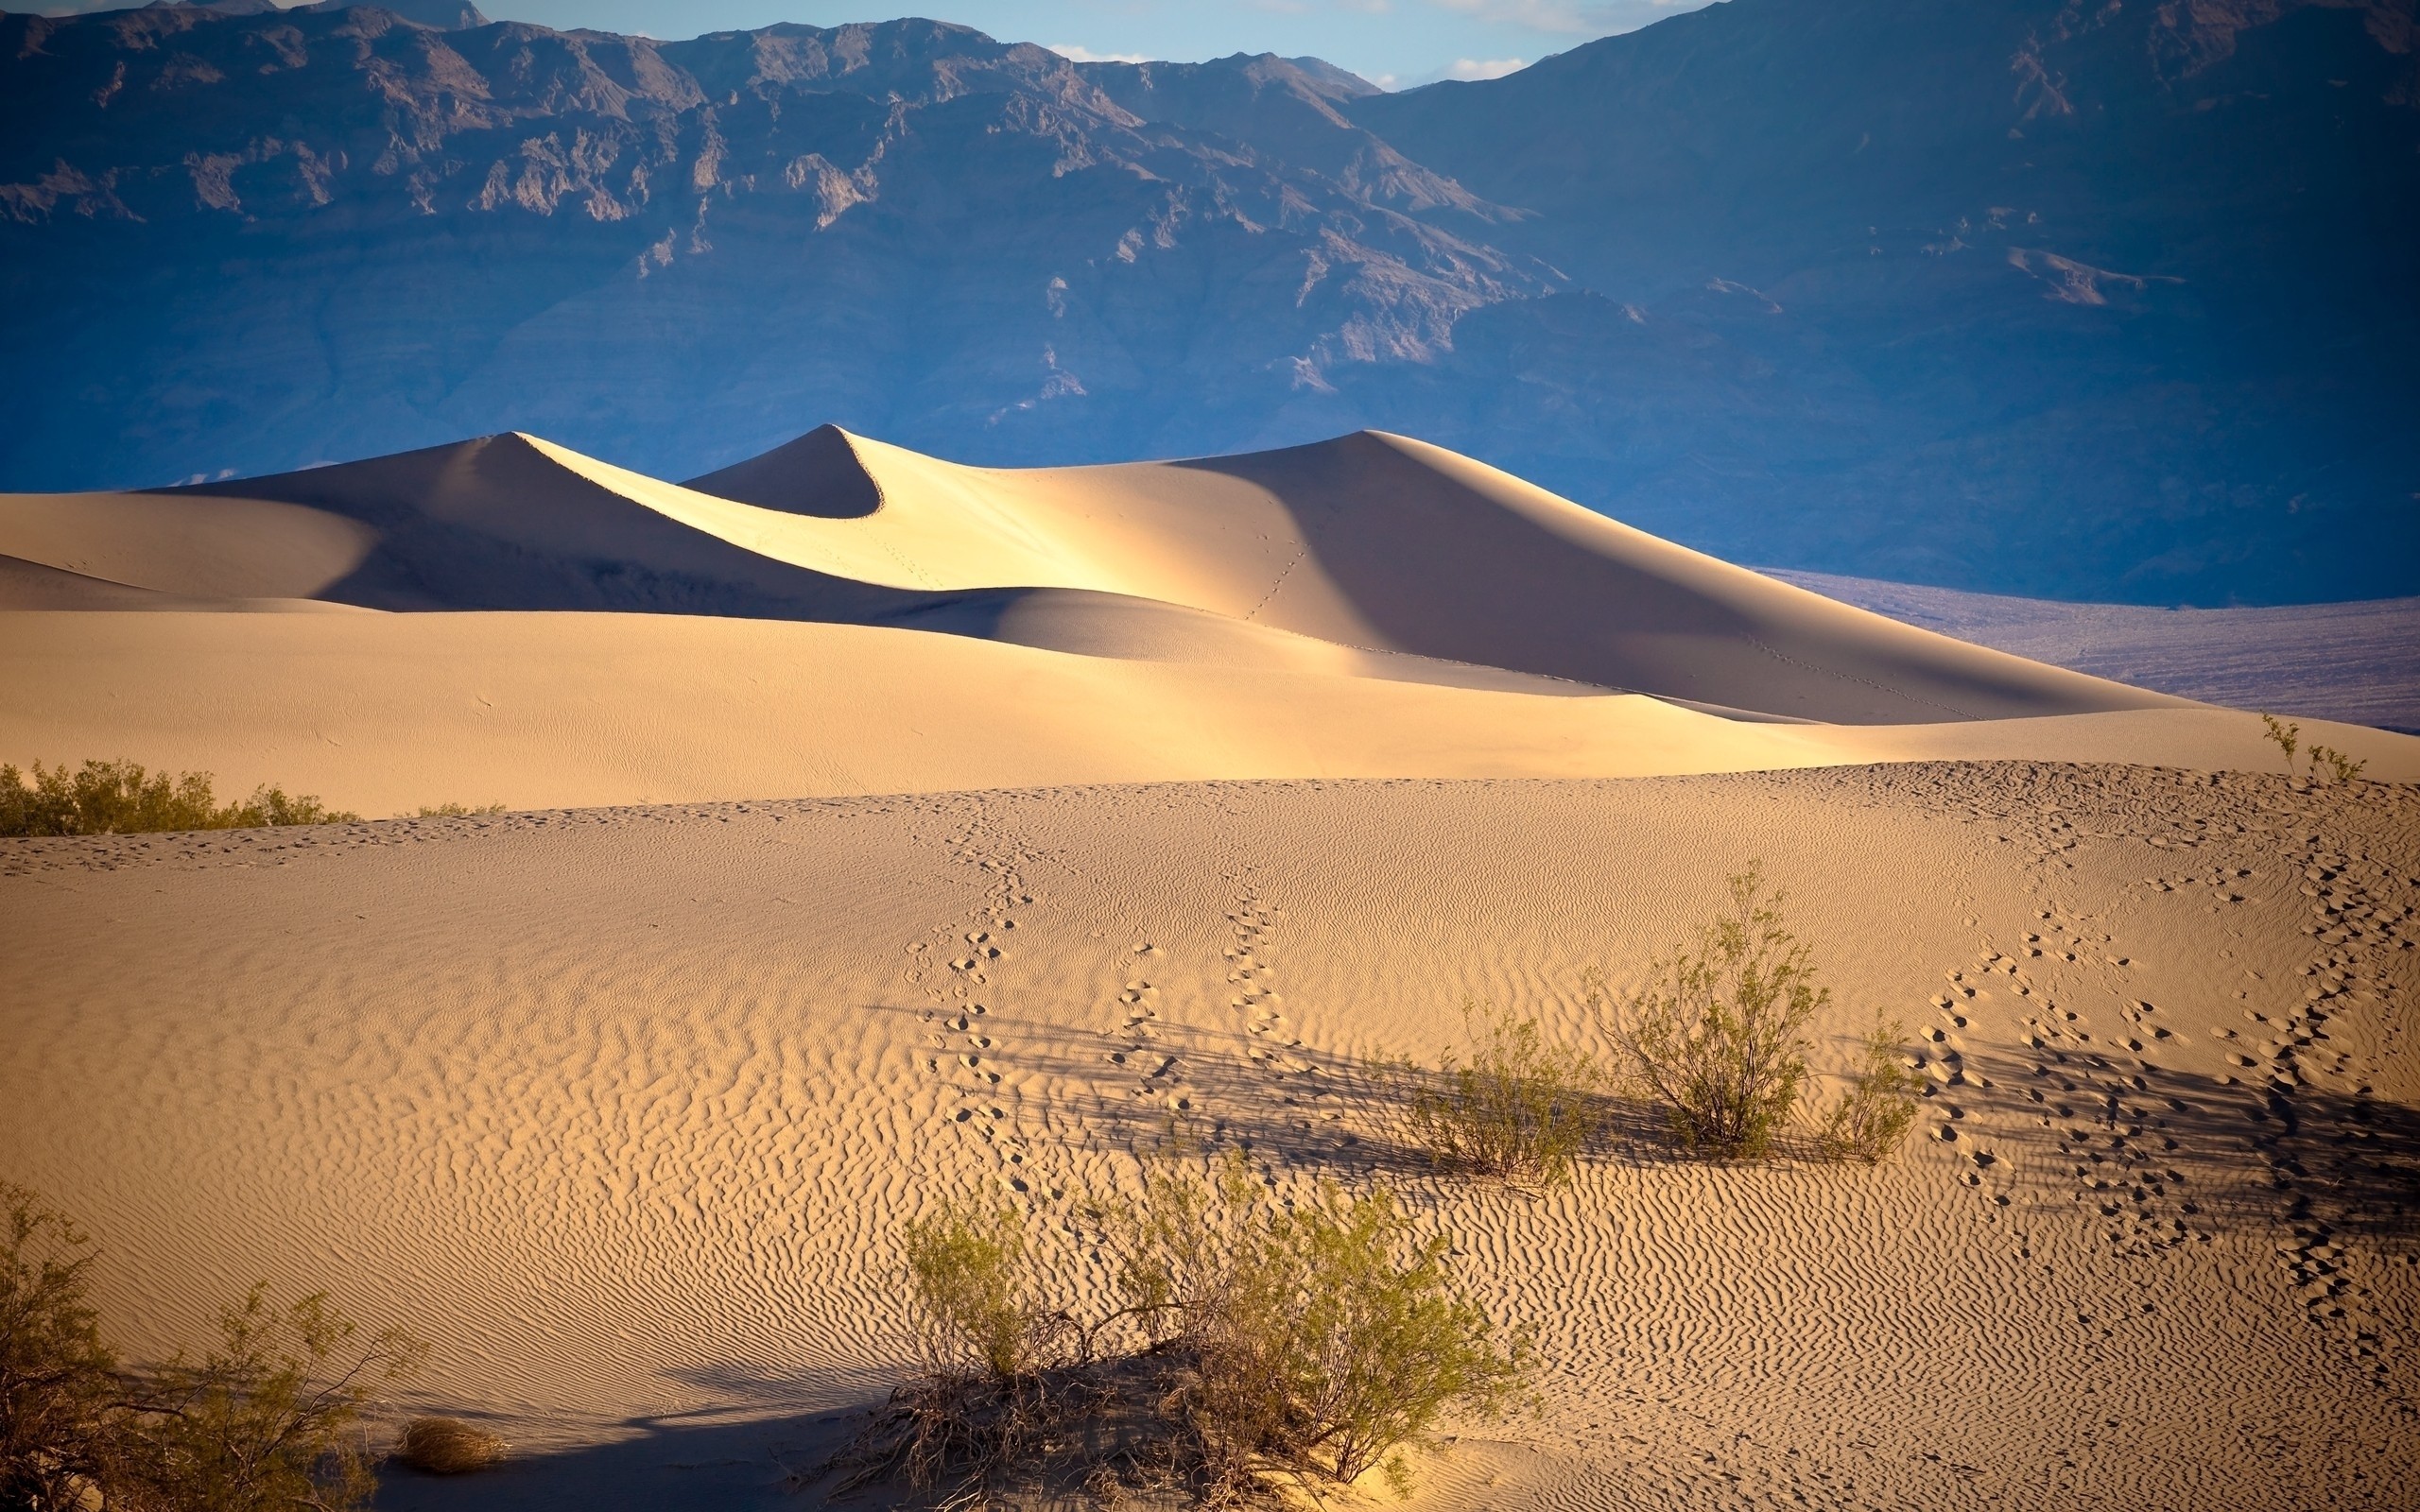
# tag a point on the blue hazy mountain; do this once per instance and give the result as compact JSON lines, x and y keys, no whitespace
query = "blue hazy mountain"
{"x":2025,"y":295}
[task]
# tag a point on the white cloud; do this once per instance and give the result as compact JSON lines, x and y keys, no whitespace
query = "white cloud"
{"x":1576,"y":18}
{"x":1461,"y":68}
{"x":1482,"y":67}
{"x":1076,"y":53}
{"x":86,"y":7}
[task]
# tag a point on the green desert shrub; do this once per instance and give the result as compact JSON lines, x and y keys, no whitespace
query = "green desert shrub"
{"x":1173,"y":1246}
{"x":1339,"y":1335}
{"x":1518,"y":1109}
{"x":1255,"y":1341}
{"x":274,"y":1417}
{"x":2288,"y":738}
{"x":974,"y":1308}
{"x":2284,"y":736}
{"x":121,"y":797}
{"x":448,"y":1446}
{"x":1322,"y":1335}
{"x":58,"y":1381}
{"x":982,"y":1402}
{"x":1718,"y":1037}
{"x":1873,"y":1115}
{"x":2344,"y":767}
{"x":458,"y":811}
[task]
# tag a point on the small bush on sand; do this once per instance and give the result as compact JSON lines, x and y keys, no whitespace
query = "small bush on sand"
{"x":991,"y":1391}
{"x":1339,"y":1335}
{"x":121,"y":797}
{"x":1517,"y":1109}
{"x":1319,"y":1337}
{"x":2343,"y":768}
{"x":1871,"y":1117}
{"x":1174,"y":1247}
{"x":975,"y":1309}
{"x":448,"y":1446}
{"x":1260,"y":1343}
{"x":2288,"y":738}
{"x":57,"y":1380}
{"x":269,"y":1420}
{"x":2284,"y":736}
{"x":272,"y":1419}
{"x":458,"y":811}
{"x":1718,"y":1038}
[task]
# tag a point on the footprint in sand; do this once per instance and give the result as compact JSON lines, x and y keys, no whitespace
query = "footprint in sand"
{"x":1253,"y":970}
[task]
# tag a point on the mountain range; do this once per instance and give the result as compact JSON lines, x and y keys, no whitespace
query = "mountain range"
{"x":2032,"y":296}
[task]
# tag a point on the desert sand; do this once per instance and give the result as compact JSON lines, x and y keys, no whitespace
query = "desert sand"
{"x":886,"y":830}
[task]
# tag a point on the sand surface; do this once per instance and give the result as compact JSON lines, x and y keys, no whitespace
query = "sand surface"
{"x":623,"y":1107}
{"x":887,"y":829}
{"x":384,"y":713}
{"x":855,"y":618}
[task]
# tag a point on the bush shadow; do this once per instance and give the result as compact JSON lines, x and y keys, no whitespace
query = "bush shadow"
{"x":709,"y":1463}
{"x":1321,"y":1113}
{"x":2212,"y":1153}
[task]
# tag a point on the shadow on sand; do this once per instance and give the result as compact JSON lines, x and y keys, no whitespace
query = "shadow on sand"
{"x":670,"y":1464}
{"x":2243,"y":1155}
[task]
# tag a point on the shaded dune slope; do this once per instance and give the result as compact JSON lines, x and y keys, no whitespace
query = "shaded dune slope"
{"x":181,"y":543}
{"x":1370,"y":556}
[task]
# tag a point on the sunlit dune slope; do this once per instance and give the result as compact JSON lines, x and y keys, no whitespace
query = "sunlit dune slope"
{"x":1379,"y":541}
{"x":1370,"y":543}
{"x":384,"y":713}
{"x":501,"y":523}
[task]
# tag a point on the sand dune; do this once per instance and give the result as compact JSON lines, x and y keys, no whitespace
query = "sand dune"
{"x":1380,"y":541}
{"x":192,"y":547}
{"x":1371,"y":542}
{"x":891,"y":829}
{"x":386,"y":713}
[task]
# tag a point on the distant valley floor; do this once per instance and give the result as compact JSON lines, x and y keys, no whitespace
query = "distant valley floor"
{"x":2359,"y":663}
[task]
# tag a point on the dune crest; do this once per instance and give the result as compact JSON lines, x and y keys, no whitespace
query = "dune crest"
{"x":819,"y":474}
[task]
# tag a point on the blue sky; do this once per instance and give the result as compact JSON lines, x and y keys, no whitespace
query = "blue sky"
{"x":1395,"y":42}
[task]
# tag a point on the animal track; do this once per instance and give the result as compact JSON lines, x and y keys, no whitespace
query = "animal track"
{"x":2302,"y":1050}
{"x":967,"y":1051}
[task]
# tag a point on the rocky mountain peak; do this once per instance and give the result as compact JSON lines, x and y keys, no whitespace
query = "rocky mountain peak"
{"x":446,"y":15}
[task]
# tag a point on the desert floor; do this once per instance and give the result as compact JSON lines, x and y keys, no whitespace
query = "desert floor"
{"x":2355,"y":661}
{"x":887,"y":832}
{"x":623,"y":1108}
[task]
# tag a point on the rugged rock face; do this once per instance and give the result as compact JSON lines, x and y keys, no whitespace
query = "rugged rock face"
{"x":2049,"y":298}
{"x":2060,"y":296}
